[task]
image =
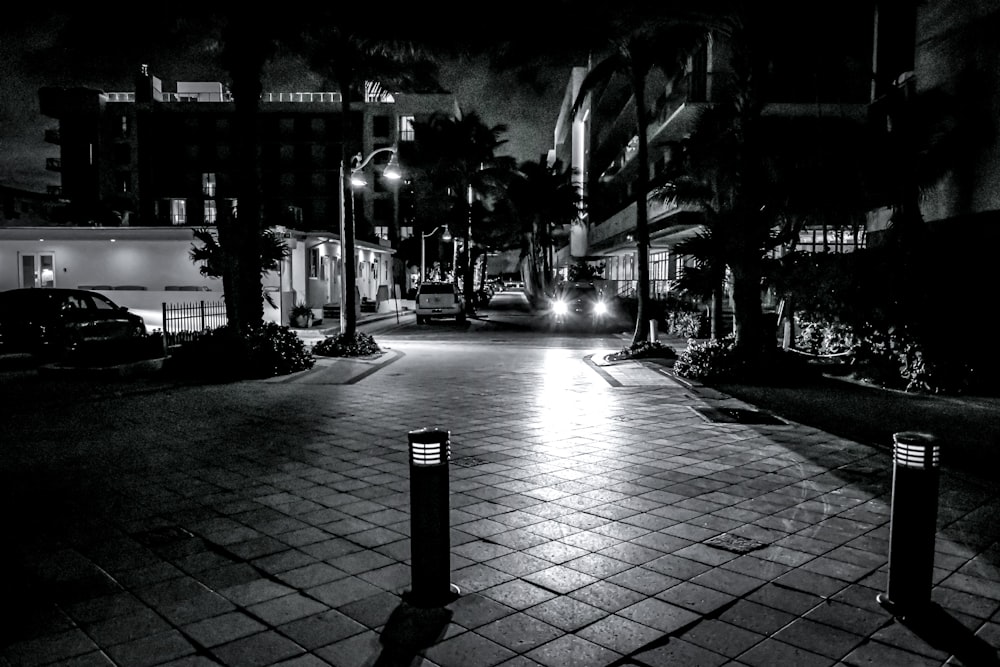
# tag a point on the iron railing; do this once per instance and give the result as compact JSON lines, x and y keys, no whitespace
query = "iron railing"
{"x":185,"y":322}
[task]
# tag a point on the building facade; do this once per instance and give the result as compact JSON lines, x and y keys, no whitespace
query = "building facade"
{"x":600,"y":142}
{"x":165,"y":156}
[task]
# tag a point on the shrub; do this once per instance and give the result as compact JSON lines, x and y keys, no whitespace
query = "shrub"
{"x":276,"y":350}
{"x":823,"y":336}
{"x":713,"y":359}
{"x":220,"y":354}
{"x":342,"y":345}
{"x":686,"y":323}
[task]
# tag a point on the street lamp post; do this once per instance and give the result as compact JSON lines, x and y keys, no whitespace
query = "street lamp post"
{"x":358,"y":163}
{"x":423,"y":239}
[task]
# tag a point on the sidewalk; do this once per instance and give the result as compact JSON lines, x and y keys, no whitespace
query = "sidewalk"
{"x":600,"y":514}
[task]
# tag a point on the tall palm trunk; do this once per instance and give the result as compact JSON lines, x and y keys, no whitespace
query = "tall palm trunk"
{"x":641,"y":211}
{"x":347,"y":252}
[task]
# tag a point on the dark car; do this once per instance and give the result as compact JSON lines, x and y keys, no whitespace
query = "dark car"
{"x":55,"y":321}
{"x":580,"y":306}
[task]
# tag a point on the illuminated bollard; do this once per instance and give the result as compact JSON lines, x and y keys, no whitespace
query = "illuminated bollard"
{"x":913,"y":523}
{"x":430,"y":569}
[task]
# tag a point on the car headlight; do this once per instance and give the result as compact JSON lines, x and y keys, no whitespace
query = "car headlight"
{"x":600,"y":308}
{"x":560,"y":308}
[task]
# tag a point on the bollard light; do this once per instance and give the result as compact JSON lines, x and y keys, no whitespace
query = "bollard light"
{"x":913,"y":523}
{"x":430,"y":557}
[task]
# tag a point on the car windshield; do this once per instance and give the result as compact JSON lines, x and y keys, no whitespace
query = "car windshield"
{"x":440,"y":288}
{"x":574,"y":293}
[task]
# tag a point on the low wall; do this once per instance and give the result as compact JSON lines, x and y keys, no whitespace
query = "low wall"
{"x":149,"y":303}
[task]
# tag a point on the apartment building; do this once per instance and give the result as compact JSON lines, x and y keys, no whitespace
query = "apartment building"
{"x":822,"y":74}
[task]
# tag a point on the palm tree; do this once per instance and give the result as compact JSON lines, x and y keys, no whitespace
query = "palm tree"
{"x":662,"y":43}
{"x":458,"y":154}
{"x":248,"y":42}
{"x":543,"y":196}
{"x":347,"y":48}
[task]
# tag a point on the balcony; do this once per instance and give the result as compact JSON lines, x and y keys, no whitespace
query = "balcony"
{"x":54,"y":190}
{"x":52,"y":136}
{"x":53,"y":164}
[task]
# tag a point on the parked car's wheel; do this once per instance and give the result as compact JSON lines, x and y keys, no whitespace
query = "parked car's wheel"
{"x":460,"y":317}
{"x":421,"y":320}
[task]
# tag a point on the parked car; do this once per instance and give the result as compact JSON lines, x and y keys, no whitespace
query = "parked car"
{"x":59,"y":321}
{"x":580,"y":306}
{"x":439,"y":299}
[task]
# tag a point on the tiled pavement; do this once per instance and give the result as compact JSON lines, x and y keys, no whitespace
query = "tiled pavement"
{"x":596,"y":518}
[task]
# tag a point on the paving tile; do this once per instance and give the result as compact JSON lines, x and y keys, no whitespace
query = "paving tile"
{"x":311,"y":575}
{"x":597,"y":565}
{"x":478,"y":577}
{"x":819,"y":638}
{"x":343,"y":591}
{"x":771,"y":652}
{"x":136,"y":625}
{"x":255,"y":591}
{"x":556,"y":551}
{"x":559,"y":578}
{"x":679,"y":652}
{"x":519,"y":632}
{"x":152,"y":649}
{"x":264,"y":648}
{"x":322,"y":629}
{"x":287,"y":608}
{"x":467,"y":649}
{"x":572,"y":651}
{"x":757,"y":618}
{"x":566,"y":613}
{"x":643,"y":580}
{"x":518,"y":594}
{"x":721,"y":637}
{"x":695,"y":597}
{"x":473,"y":610}
{"x":620,"y":634}
{"x":223,"y":628}
{"x":785,"y":599}
{"x":49,"y":648}
{"x":658,"y":614}
{"x":519,"y":564}
{"x":606,"y":595}
{"x":373,"y":611}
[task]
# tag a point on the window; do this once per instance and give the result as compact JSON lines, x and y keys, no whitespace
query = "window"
{"x":406,"y":132}
{"x":314,"y":263}
{"x":124,"y":182}
{"x":382,"y":211}
{"x":405,"y":232}
{"x":178,"y":211}
{"x":124,"y":125}
{"x":208,"y":185}
{"x":380,"y":126}
{"x":382,"y":232}
{"x":210,"y":212}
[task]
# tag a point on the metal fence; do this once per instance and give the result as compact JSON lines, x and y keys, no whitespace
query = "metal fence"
{"x":183,"y":322}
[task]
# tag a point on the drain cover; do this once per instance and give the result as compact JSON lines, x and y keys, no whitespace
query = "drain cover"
{"x":738,"y":416}
{"x":734,"y":543}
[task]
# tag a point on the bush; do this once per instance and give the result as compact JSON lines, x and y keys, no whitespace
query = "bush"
{"x":218,"y":354}
{"x":342,"y":345}
{"x":823,"y":336}
{"x":686,"y":323}
{"x":713,"y":359}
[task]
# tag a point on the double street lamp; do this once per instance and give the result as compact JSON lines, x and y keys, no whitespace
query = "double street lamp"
{"x":423,"y":240}
{"x":347,"y":273}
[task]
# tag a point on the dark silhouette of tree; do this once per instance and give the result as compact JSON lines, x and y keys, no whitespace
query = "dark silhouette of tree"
{"x":466,"y":179}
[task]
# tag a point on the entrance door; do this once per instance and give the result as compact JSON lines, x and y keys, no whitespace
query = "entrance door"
{"x":38,"y":270}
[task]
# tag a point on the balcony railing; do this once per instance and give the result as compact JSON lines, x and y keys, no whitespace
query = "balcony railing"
{"x":53,"y":164}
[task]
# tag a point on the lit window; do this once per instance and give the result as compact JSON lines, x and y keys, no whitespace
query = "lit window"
{"x":406,"y":132}
{"x":210,"y":212}
{"x":405,"y":232}
{"x":208,"y":185}
{"x":382,"y":232}
{"x":178,"y":212}
{"x":314,"y":262}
